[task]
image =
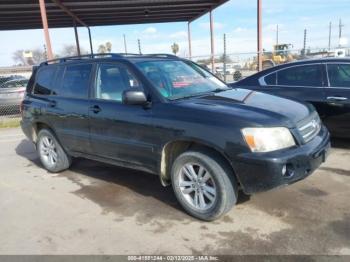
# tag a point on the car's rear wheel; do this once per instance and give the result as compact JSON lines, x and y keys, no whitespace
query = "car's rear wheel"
{"x":52,"y":155}
{"x":204,"y":184}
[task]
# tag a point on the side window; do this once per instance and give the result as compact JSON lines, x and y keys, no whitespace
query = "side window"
{"x":56,"y":86}
{"x":44,"y":80}
{"x":112,"y":80}
{"x":271,"y":79}
{"x":339,"y":75}
{"x":308,"y":75}
{"x":75,"y":82}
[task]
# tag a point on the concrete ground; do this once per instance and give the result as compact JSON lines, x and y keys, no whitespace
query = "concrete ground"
{"x":99,"y":209}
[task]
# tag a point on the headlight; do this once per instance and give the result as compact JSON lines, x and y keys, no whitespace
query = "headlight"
{"x":268,"y":139}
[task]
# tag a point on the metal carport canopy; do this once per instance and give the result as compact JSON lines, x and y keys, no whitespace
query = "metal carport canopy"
{"x":25,"y":14}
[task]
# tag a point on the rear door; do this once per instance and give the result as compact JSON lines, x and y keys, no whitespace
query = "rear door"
{"x":69,"y":104}
{"x":120,"y":132}
{"x":337,"y":111}
{"x":301,"y":82}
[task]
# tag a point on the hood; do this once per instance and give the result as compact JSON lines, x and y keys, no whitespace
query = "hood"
{"x":262,"y":108}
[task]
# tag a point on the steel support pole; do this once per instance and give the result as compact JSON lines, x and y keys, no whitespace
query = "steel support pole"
{"x":46,"y":29}
{"x":259,"y":35}
{"x":77,"y":38}
{"x":91,"y":49}
{"x":125,"y":47}
{"x":212,"y":41}
{"x":189,"y":40}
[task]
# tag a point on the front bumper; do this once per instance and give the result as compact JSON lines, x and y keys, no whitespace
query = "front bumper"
{"x":263,"y":171}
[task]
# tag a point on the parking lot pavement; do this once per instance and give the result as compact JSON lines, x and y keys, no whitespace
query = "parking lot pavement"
{"x":99,"y":209}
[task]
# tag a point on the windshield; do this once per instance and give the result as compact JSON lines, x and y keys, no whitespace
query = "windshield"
{"x":179,"y":79}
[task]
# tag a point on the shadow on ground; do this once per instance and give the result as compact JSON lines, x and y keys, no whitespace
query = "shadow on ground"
{"x":123,"y":191}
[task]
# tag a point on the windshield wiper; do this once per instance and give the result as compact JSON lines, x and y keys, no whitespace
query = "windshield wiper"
{"x":217,"y":90}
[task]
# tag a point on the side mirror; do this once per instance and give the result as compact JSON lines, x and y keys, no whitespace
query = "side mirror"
{"x":134,"y":97}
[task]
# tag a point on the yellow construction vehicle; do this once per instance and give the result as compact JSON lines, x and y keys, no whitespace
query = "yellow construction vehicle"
{"x":281,"y":54}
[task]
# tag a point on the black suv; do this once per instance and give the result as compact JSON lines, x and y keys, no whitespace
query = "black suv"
{"x":170,"y":117}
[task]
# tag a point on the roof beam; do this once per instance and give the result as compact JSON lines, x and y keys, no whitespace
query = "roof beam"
{"x":65,"y":9}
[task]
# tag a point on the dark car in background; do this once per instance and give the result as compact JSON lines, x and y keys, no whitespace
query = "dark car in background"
{"x":169,"y":117}
{"x":11,"y":95}
{"x":323,"y":82}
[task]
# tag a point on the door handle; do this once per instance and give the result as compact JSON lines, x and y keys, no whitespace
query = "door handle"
{"x":52,"y":103}
{"x":337,"y":98}
{"x":96,"y":109}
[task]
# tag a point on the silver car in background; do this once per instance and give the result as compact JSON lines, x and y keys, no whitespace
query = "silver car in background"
{"x":11,"y":95}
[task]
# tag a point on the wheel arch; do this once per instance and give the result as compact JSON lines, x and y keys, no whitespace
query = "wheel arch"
{"x":39,"y":125}
{"x":172,"y":149}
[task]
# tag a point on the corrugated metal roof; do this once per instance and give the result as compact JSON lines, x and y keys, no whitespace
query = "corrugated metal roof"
{"x":25,"y":14}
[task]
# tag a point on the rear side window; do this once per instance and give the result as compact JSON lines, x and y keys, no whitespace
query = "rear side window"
{"x":308,"y":75}
{"x":76,"y":81}
{"x":339,"y":75}
{"x":44,"y":80}
{"x":271,"y":79}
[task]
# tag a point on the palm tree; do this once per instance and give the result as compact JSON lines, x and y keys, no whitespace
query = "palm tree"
{"x":175,"y":48}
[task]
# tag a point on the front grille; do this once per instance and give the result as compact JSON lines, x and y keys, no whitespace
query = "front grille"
{"x":310,"y":127}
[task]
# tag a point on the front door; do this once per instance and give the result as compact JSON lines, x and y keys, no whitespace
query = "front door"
{"x":302,"y":82}
{"x":120,"y":132}
{"x":337,"y":117}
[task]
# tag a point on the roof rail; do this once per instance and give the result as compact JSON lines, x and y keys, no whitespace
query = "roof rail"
{"x":163,"y":55}
{"x":102,"y":55}
{"x":89,"y":56}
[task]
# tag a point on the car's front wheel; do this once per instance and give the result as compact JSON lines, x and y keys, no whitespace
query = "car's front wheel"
{"x":204,"y":184}
{"x":52,"y":155}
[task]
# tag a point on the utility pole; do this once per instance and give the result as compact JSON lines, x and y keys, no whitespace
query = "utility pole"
{"x":304,"y":46}
{"x":125,"y":48}
{"x":224,"y":58}
{"x":340,"y":30}
{"x":277,"y":34}
{"x":139,"y":44}
{"x":330,"y":36}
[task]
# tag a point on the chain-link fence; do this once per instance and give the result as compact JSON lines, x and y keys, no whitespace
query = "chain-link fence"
{"x":235,"y":66}
{"x":12,"y":89}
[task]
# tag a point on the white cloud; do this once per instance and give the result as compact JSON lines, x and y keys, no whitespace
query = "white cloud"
{"x":240,"y":30}
{"x":217,"y":25}
{"x":179,"y":35}
{"x":150,"y":30}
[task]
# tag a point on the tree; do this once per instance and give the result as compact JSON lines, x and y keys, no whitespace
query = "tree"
{"x":38,"y":56}
{"x":175,"y":48}
{"x":33,"y":57}
{"x":71,"y":50}
{"x":105,"y":48}
{"x":18,"y":57}
{"x":108,"y":47}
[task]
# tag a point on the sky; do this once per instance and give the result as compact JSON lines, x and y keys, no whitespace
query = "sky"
{"x":236,"y":19}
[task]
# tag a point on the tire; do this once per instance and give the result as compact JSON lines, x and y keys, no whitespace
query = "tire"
{"x":52,"y":155}
{"x":221,"y":179}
